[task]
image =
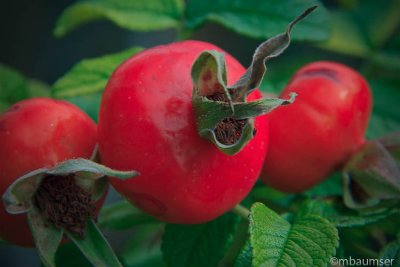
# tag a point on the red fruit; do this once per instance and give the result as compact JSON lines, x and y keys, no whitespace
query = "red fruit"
{"x":147,"y":123}
{"x":320,"y":130}
{"x":38,"y":133}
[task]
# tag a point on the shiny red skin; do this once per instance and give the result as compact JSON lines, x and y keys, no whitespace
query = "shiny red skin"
{"x":318,"y":132}
{"x":38,"y":133}
{"x":147,"y":123}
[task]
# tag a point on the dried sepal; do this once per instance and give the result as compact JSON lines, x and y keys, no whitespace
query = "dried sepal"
{"x":222,"y":113}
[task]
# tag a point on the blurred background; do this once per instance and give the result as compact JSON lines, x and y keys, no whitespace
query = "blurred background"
{"x":28,"y":43}
{"x":362,"y":34}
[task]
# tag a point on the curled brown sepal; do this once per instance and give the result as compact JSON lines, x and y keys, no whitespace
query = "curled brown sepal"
{"x":372,"y":175}
{"x":223,"y":114}
{"x":271,"y":48}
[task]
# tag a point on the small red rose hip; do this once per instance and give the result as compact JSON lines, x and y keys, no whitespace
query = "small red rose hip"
{"x":39,"y":133}
{"x":320,"y":130}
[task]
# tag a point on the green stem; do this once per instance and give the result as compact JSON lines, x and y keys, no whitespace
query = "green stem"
{"x":239,"y":240}
{"x":241,"y":211}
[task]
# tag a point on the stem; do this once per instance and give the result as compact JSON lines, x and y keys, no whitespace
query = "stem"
{"x":241,"y":211}
{"x":239,"y":240}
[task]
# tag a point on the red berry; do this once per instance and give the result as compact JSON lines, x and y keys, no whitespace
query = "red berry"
{"x":38,"y":133}
{"x":320,"y":130}
{"x":147,"y":123}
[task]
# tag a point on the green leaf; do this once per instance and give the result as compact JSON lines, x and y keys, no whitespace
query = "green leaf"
{"x":309,"y":241}
{"x":122,"y":216}
{"x":379,"y":21}
{"x":280,"y":201}
{"x":343,"y":217}
{"x":387,"y":60}
{"x":388,"y":57}
{"x":69,"y":255}
{"x":347,"y":37}
{"x":357,"y":243}
{"x":245,"y":257}
{"x":47,"y":237}
{"x":143,"y":249}
{"x":259,"y":19}
{"x":198,"y":245}
{"x":332,"y":186}
{"x":38,"y":88}
{"x":84,"y":83}
{"x":13,"y":86}
{"x":95,"y":247}
{"x":391,"y":252}
{"x":137,"y":15}
{"x":385,"y":116}
{"x":90,"y":75}
{"x":88,"y":103}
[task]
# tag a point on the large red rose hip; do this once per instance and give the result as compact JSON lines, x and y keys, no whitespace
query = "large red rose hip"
{"x":320,"y":131}
{"x":187,"y":116}
{"x":38,"y":133}
{"x":147,"y":123}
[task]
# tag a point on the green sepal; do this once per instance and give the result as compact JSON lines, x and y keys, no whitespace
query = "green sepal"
{"x":46,"y":236}
{"x":258,"y":107}
{"x":373,"y":173}
{"x":209,"y":75}
{"x":210,"y":113}
{"x":95,"y":247}
{"x":88,"y":174}
{"x":209,"y":78}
